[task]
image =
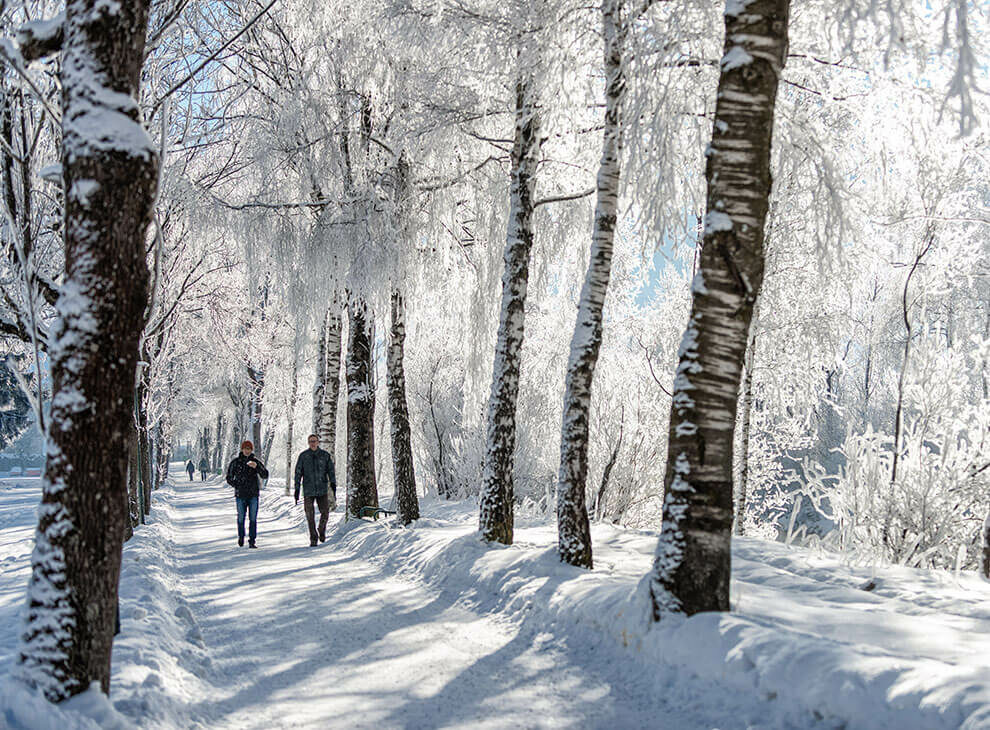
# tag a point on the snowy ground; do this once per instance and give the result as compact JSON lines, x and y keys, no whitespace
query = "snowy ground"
{"x":427,"y":627}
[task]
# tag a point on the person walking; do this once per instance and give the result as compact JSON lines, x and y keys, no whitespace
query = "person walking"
{"x":191,"y":468}
{"x":315,"y":473}
{"x":243,"y":474}
{"x":204,"y":466}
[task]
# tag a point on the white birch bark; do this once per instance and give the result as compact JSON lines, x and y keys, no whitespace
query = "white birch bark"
{"x":326,"y":389}
{"x":496,"y":516}
{"x":742,"y":496}
{"x":574,"y":532}
{"x":692,"y":567}
{"x":290,"y":426}
{"x":404,"y":475}
{"x":985,"y":549}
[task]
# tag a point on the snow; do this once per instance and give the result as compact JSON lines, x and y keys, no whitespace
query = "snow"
{"x":96,"y":129}
{"x":716,"y":220}
{"x":44,"y":29}
{"x":82,"y":190}
{"x":428,"y":626}
{"x":734,"y":8}
{"x":736,"y":57}
{"x":51,"y":172}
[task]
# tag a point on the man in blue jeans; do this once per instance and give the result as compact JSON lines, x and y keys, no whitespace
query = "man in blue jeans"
{"x":243,"y":475}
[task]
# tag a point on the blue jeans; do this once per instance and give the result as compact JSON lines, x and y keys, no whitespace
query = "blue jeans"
{"x":245,"y":505}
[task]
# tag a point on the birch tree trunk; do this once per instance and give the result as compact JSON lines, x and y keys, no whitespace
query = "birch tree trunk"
{"x":291,"y":423}
{"x":214,"y":457}
{"x":326,"y":391}
{"x":109,"y":168}
{"x":133,"y":481}
{"x":607,"y":471}
{"x":985,"y":549}
{"x":362,"y":490}
{"x":573,"y":530}
{"x":496,"y":517}
{"x":404,"y":475}
{"x":747,"y":409}
{"x":320,"y":381}
{"x":693,"y":561}
{"x":161,"y":455}
{"x":144,"y":445}
{"x":256,"y":381}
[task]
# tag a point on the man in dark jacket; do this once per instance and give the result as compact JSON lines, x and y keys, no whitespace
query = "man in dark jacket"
{"x":191,"y":468}
{"x":204,"y":466}
{"x":314,"y":470}
{"x":242,"y":475}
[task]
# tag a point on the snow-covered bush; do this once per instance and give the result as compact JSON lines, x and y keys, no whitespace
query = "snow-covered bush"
{"x":936,"y":504}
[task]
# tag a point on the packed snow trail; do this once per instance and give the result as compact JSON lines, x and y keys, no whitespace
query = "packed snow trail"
{"x":427,"y":626}
{"x":313,"y":637}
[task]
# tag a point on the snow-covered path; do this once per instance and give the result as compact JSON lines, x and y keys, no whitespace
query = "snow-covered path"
{"x":314,"y":637}
{"x":427,"y":627}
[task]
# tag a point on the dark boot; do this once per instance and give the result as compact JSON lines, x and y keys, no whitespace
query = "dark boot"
{"x":252,"y":545}
{"x":240,"y":541}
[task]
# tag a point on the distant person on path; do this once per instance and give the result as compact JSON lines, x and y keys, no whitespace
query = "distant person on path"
{"x":204,"y":466}
{"x":314,"y":470}
{"x":191,"y":468}
{"x":242,"y":475}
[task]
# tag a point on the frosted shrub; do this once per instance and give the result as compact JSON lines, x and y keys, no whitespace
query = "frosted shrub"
{"x":936,"y":504}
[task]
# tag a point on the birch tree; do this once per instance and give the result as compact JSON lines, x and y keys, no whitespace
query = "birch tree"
{"x":403,"y":471}
{"x":496,"y":518}
{"x":404,"y":477}
{"x":574,"y":534}
{"x":692,"y":567}
{"x":326,"y":389}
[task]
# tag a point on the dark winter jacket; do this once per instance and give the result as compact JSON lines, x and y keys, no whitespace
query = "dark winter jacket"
{"x":314,"y":468}
{"x":243,"y":478}
{"x":204,"y":465}
{"x":190,"y":467}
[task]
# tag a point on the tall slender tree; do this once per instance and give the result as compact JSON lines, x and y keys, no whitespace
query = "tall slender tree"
{"x":290,"y":409}
{"x":326,"y":391}
{"x":496,"y":515}
{"x":692,"y":567}
{"x":404,"y":475}
{"x":574,"y":533}
{"x":109,"y":168}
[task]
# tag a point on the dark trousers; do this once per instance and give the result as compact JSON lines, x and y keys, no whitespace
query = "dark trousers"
{"x":192,"y":473}
{"x":249,"y":506}
{"x":324,"y":506}
{"x":202,"y":475}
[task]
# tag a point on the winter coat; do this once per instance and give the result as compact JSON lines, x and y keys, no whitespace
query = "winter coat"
{"x":243,"y":478}
{"x":190,"y":467}
{"x":314,"y":468}
{"x":204,"y":465}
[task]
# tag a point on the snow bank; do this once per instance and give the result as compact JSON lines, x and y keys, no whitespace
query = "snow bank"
{"x":22,"y":708}
{"x":910,"y":654}
{"x":158,"y":655}
{"x":159,"y":658}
